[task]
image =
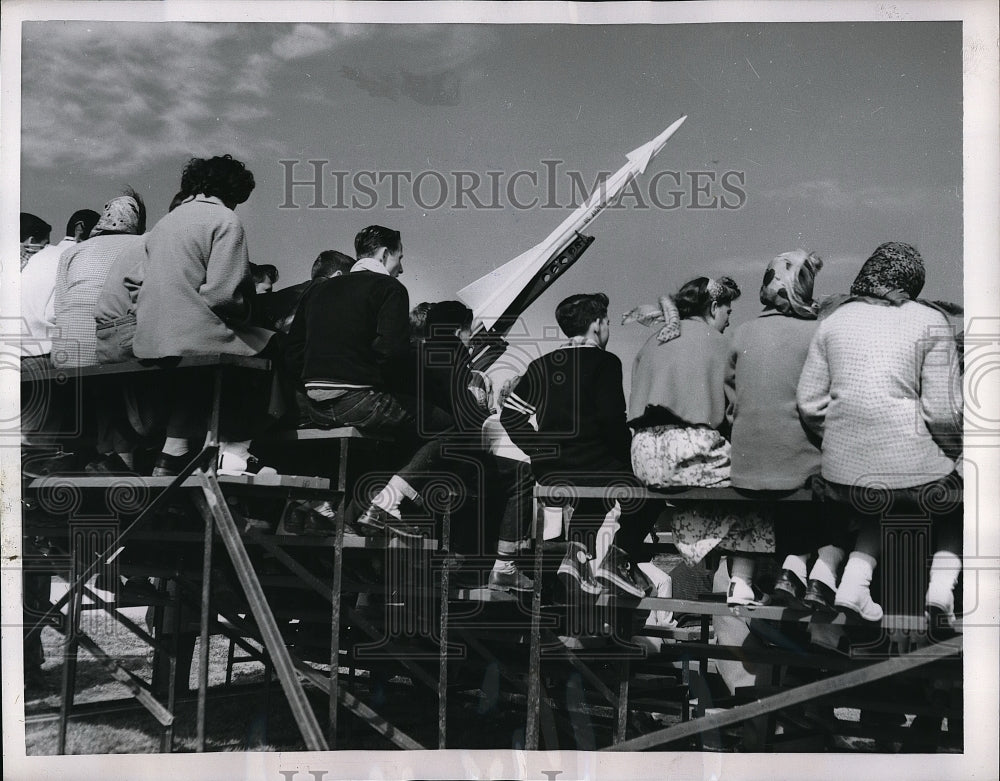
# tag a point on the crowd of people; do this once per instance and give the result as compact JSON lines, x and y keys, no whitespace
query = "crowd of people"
{"x":858,"y":399}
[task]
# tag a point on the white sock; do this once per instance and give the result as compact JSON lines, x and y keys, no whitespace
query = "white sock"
{"x":127,"y":458}
{"x":742,"y":567}
{"x":390,"y":497}
{"x":606,"y":534}
{"x":796,"y":563}
{"x":504,"y":565}
{"x":175,"y":446}
{"x":945,"y":567}
{"x":828,"y":561}
{"x":239,"y":450}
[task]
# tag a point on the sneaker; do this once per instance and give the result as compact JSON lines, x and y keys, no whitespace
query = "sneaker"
{"x":575,"y":571}
{"x":233,"y":465}
{"x":509,"y":578}
{"x":819,"y":597}
{"x":170,"y":466}
{"x":742,"y":593}
{"x":788,"y":590}
{"x":109,"y":464}
{"x":617,"y":572}
{"x":375,"y":521}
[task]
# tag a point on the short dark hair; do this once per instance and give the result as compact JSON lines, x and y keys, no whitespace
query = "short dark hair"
{"x":368,"y":241}
{"x":329,"y":262}
{"x":86,"y":217}
{"x":226,"y":178}
{"x":576,"y":313}
{"x":264,"y":271}
{"x":446,"y":316}
{"x":33,"y":227}
{"x":418,"y":319}
{"x":694,"y":298}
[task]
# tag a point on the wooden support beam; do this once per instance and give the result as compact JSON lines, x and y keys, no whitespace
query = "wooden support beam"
{"x":809,"y":691}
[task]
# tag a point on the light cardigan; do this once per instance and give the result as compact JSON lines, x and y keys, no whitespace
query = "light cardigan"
{"x":685,"y":376}
{"x":881,"y":384}
{"x":197,"y":287}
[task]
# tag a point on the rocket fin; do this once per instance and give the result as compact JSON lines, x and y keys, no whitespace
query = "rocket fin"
{"x":490,"y":295}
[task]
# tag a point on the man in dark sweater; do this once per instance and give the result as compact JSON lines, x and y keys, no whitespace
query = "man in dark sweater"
{"x":349,"y":344}
{"x":575,"y":394}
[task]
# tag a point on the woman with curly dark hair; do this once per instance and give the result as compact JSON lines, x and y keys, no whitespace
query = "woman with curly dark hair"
{"x":196,"y":300}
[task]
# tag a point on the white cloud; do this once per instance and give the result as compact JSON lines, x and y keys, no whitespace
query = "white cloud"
{"x":831,"y":194}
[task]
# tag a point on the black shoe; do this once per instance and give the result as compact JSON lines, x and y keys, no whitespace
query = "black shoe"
{"x":109,"y":464}
{"x":819,"y":597}
{"x":789,"y":590}
{"x":575,"y":572}
{"x":375,"y":521}
{"x":617,"y":572}
{"x":170,"y":466}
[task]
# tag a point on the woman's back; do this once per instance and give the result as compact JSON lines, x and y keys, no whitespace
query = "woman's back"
{"x":885,"y":380}
{"x":771,"y":449}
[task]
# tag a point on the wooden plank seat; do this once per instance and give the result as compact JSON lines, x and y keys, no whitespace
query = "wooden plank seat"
{"x":212,"y":361}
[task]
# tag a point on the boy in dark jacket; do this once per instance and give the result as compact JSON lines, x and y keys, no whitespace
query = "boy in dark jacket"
{"x":575,"y":394}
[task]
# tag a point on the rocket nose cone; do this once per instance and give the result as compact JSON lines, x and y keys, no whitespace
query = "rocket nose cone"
{"x":649,"y":150}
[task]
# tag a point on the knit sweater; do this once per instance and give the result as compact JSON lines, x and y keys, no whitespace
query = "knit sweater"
{"x":352,"y":331}
{"x":881,"y":384}
{"x":772,"y":449}
{"x":684,"y":377}
{"x":576,"y":396}
{"x":80,"y":279}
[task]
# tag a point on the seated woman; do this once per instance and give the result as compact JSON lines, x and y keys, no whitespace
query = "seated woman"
{"x":881,"y":384}
{"x":678,"y":412}
{"x":195,"y":299}
{"x":80,"y":279}
{"x":772,"y":450}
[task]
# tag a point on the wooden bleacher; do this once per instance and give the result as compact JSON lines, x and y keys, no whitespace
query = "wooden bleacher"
{"x":522,"y":638}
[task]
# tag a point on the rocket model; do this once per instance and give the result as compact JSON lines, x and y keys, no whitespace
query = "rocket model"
{"x":499,"y":298}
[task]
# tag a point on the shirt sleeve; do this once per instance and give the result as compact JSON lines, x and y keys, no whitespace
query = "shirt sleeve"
{"x":521,"y":403}
{"x":228,"y":284}
{"x":610,"y":408}
{"x":941,"y":390}
{"x":731,"y":384}
{"x":814,"y":385}
{"x":392,"y":336}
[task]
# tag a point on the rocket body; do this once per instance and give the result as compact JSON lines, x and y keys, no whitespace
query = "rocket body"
{"x":491,"y":295}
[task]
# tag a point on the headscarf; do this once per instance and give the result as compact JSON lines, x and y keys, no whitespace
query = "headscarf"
{"x":665,"y":311}
{"x":894,"y":272}
{"x":120,"y":215}
{"x":788,"y":284}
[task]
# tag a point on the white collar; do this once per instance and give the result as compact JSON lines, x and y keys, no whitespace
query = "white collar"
{"x":370,"y":264}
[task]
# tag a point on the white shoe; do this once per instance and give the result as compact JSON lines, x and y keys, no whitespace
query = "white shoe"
{"x":858,"y":600}
{"x":233,"y":465}
{"x":940,"y":602}
{"x":741,"y":593}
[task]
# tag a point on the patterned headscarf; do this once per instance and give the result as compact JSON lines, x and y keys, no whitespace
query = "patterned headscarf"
{"x":894,"y":272}
{"x":788,"y":284}
{"x":121,"y":215}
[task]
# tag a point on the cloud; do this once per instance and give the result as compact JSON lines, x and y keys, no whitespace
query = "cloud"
{"x":118,"y":96}
{"x":831,"y":194}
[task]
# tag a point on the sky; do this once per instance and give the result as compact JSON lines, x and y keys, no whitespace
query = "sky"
{"x":832,"y":137}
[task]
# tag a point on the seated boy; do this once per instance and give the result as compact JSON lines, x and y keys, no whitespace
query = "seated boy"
{"x":576,"y":396}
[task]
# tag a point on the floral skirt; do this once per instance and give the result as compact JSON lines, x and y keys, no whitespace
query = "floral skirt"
{"x":671,"y":455}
